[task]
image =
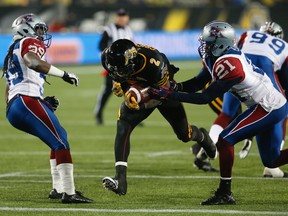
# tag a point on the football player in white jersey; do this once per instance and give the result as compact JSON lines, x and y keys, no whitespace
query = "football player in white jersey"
{"x":232,"y":71}
{"x":268,"y":51}
{"x":25,"y":70}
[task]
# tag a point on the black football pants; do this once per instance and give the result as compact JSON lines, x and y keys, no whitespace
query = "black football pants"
{"x":172,"y":111}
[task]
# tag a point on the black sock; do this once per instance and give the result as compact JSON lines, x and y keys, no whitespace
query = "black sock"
{"x":225,"y":186}
{"x":197,"y":135}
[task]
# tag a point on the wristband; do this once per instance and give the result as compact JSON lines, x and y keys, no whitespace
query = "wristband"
{"x":53,"y":71}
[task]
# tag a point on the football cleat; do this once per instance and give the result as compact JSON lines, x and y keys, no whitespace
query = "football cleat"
{"x":208,"y":145}
{"x":204,"y":165}
{"x":274,"y":173}
{"x":115,"y":185}
{"x":54,"y":194}
{"x":220,"y":199}
{"x":75,"y":198}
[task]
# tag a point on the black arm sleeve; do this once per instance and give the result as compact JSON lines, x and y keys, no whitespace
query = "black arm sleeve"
{"x":216,"y":89}
{"x":104,"y":41}
{"x":196,"y":83}
{"x":283,"y":77}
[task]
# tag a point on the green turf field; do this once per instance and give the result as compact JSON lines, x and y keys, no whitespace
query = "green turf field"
{"x":161,"y":178}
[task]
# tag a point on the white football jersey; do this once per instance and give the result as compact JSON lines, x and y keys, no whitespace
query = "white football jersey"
{"x":20,"y":78}
{"x":255,"y":86}
{"x":259,"y":43}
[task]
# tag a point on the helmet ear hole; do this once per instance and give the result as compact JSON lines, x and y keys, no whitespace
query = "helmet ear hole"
{"x":25,"y":30}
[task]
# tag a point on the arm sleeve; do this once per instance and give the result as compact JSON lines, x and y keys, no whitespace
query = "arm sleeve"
{"x":216,"y":89}
{"x":33,"y":45}
{"x":104,"y":41}
{"x":283,"y":76}
{"x":198,"y":82}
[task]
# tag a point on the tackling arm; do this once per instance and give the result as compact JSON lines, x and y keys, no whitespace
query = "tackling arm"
{"x":216,"y":89}
{"x":196,"y":83}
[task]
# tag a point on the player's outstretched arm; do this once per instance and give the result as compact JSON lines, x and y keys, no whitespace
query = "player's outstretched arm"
{"x":34,"y":62}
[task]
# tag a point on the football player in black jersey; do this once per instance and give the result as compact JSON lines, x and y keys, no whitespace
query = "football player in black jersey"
{"x":128,"y":63}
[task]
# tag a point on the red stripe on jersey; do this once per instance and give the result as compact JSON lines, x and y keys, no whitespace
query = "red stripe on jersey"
{"x":40,"y":113}
{"x":241,"y":40}
{"x":255,"y":116}
{"x":228,"y":68}
{"x":33,"y":45}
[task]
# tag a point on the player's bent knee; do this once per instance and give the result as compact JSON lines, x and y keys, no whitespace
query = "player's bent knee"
{"x":269,"y":162}
{"x":184,"y":138}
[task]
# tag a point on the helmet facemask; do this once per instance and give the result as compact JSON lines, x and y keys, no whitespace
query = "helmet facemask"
{"x":205,"y":48}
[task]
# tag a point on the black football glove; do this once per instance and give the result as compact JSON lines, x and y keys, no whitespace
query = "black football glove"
{"x":70,"y":78}
{"x":52,"y":102}
{"x":173,"y":68}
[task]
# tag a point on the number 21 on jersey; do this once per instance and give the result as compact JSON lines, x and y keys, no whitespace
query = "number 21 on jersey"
{"x":223,"y":69}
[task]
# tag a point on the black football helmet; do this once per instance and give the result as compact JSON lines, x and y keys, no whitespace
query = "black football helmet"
{"x":120,"y":58}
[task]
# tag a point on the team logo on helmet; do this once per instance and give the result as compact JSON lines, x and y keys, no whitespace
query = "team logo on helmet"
{"x":216,"y":32}
{"x":130,"y":54}
{"x":26,"y":18}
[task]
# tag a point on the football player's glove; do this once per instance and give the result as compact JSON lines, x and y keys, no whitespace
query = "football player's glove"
{"x":52,"y":102}
{"x":173,"y":68}
{"x":163,"y":93}
{"x":131,"y":102}
{"x":117,"y":90}
{"x":70,"y":78}
{"x":246,"y":148}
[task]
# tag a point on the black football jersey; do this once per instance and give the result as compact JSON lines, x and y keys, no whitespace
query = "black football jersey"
{"x":152,"y":66}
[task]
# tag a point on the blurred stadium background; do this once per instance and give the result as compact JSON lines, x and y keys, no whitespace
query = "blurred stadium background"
{"x":172,"y":26}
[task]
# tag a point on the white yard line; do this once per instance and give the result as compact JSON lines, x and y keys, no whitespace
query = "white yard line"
{"x":144,"y":211}
{"x":30,"y":174}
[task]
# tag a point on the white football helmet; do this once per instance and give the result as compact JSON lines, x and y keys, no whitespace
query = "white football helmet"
{"x":216,"y":38}
{"x":27,"y":25}
{"x":273,"y":29}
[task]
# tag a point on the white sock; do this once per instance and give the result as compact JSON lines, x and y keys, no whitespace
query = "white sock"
{"x":121,"y":163}
{"x":67,"y":179}
{"x":214,"y":132}
{"x":56,"y":180}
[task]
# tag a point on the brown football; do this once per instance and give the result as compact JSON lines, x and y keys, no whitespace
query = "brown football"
{"x":139,"y":92}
